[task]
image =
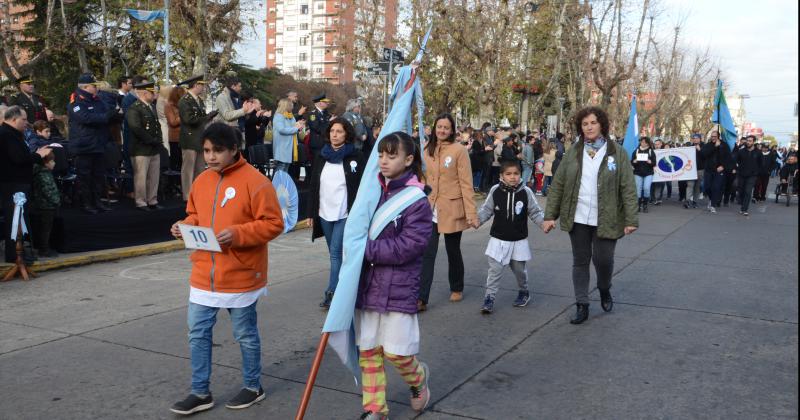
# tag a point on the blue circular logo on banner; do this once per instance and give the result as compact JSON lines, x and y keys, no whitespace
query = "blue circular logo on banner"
{"x":670,"y":164}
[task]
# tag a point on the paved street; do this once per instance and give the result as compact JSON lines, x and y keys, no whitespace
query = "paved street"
{"x":705,"y":326}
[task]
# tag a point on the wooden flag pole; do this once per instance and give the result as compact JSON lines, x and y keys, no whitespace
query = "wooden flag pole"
{"x":312,"y":376}
{"x":19,"y":265}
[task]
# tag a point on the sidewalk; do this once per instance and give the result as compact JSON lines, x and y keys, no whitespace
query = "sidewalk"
{"x":705,"y":325}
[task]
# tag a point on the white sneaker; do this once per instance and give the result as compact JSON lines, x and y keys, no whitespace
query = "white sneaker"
{"x":712,"y":209}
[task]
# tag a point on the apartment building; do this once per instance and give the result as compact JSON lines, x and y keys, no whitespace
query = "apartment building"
{"x":314,"y":39}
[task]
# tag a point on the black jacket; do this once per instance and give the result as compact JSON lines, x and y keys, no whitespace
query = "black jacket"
{"x":511,"y":207}
{"x":16,"y":160}
{"x":716,"y":156}
{"x":748,"y":162}
{"x":318,"y":125}
{"x":643,"y":168}
{"x":352,"y":177}
{"x":767,"y":163}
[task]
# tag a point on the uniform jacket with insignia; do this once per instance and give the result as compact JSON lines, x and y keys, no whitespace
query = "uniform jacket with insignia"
{"x":88,"y":123}
{"x":32,"y":105}
{"x":318,"y":124}
{"x":193,"y":121}
{"x":145,"y":130}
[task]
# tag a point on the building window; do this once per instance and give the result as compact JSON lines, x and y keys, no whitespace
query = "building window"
{"x":289,"y":28}
{"x":272,"y":56}
{"x":320,"y":38}
{"x":303,"y":9}
{"x":321,"y":5}
{"x":303,"y":26}
{"x":272,"y":25}
{"x":303,"y":56}
{"x":279,"y":51}
{"x":303,"y":41}
{"x":272,"y":41}
{"x":318,"y":70}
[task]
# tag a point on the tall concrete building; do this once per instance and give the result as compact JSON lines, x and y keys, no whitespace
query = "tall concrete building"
{"x":13,"y":18}
{"x":316,"y":39}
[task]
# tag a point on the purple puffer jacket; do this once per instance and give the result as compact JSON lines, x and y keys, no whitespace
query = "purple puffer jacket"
{"x":393,"y":262}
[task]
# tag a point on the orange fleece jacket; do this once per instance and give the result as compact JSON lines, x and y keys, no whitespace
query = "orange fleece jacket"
{"x":254,"y":215}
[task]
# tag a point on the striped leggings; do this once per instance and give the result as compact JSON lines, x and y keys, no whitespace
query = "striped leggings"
{"x":373,"y":377}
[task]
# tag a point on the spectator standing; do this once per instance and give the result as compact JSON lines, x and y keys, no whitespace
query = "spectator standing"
{"x":353,"y":116}
{"x":173,"y":117}
{"x":161,"y":104}
{"x":193,"y":120}
{"x":230,"y":106}
{"x":285,"y":129}
{"x":45,"y":202}
{"x":299,"y":111}
{"x":28,"y":100}
{"x":146,"y":146}
{"x":333,"y":187}
{"x":16,"y":170}
{"x":255,"y":121}
{"x":717,"y":157}
{"x":449,"y":175}
{"x":527,"y":161}
{"x":748,"y":166}
{"x":550,"y":165}
{"x":89,"y":118}
{"x":318,"y":124}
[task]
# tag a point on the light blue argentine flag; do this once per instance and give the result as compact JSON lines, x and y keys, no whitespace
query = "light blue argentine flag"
{"x":146,"y":15}
{"x":631,"y":141}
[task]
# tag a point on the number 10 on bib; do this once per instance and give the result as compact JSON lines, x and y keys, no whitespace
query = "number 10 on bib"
{"x":200,"y":238}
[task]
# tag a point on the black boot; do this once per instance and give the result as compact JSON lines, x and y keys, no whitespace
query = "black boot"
{"x":644,"y":205}
{"x":639,"y":210}
{"x":581,"y":314}
{"x":326,"y":301}
{"x":606,"y":302}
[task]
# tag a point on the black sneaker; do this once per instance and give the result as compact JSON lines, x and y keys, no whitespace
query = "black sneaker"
{"x":488,"y":305}
{"x":523,"y":297}
{"x":326,"y":301}
{"x":245,"y":398}
{"x":192,"y":404}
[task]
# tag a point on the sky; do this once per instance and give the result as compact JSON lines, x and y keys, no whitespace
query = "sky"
{"x":756,"y":42}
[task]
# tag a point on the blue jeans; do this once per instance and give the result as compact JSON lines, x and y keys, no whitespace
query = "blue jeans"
{"x":334,"y":236}
{"x":546,"y":184}
{"x":714,"y":184}
{"x":527,"y":173}
{"x":245,"y":331}
{"x":476,"y":179}
{"x":643,"y":184}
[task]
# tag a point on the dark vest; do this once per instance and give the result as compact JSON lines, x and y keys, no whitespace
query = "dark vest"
{"x":510,"y":214}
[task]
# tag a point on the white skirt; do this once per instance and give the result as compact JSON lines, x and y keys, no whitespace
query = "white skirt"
{"x":396,"y":332}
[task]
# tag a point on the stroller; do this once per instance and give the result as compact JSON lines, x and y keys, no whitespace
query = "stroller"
{"x":788,"y":189}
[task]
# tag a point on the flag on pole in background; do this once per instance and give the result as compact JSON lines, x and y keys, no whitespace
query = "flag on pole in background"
{"x":146,"y":15}
{"x":631,"y":141}
{"x":339,"y":322}
{"x":722,"y":116}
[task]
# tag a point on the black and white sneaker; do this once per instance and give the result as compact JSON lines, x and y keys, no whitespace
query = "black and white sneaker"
{"x":523,"y":297}
{"x":192,"y":404}
{"x":245,"y":398}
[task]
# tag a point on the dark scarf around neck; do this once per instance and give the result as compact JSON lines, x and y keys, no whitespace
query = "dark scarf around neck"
{"x":336,"y":156}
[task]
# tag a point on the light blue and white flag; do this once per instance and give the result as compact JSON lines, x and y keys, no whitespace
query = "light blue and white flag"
{"x":339,"y":322}
{"x":146,"y":15}
{"x":631,"y":141}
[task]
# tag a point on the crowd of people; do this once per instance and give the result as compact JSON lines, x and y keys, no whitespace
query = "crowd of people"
{"x":123,"y":142}
{"x":594,"y":190}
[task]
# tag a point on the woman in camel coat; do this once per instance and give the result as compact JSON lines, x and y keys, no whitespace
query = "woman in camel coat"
{"x":449,"y":174}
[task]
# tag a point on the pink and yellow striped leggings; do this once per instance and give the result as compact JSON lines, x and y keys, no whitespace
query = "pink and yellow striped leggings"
{"x":373,"y":377}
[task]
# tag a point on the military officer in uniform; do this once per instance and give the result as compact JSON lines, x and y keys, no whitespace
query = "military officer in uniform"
{"x":318,"y":124}
{"x":145,"y":146}
{"x":29,"y":101}
{"x":193,"y":122}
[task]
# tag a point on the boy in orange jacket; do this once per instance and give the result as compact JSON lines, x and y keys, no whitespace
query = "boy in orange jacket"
{"x":240,"y":205}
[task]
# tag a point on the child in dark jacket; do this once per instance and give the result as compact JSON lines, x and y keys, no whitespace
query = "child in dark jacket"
{"x":511,"y":203}
{"x":45,"y":202}
{"x":386,"y":322}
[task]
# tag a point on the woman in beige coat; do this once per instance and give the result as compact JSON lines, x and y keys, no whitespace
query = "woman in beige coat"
{"x":449,"y":174}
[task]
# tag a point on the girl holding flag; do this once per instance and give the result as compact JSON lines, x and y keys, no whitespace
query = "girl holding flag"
{"x":386,"y":320}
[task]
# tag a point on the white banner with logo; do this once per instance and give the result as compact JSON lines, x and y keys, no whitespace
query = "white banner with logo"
{"x":676,"y":164}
